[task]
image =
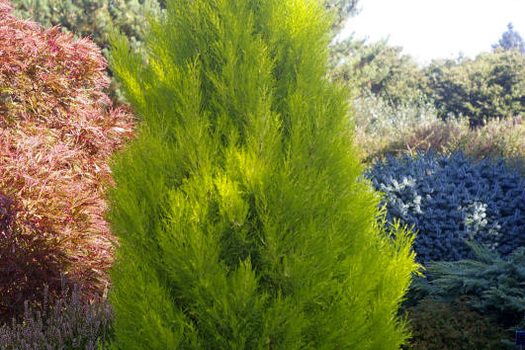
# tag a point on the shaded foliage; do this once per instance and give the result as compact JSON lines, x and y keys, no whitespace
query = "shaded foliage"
{"x":453,"y":325}
{"x":28,"y":261}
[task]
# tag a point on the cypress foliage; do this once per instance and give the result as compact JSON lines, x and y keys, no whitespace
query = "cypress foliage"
{"x":241,"y":218}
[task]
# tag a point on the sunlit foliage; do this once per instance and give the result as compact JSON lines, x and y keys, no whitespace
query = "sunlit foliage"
{"x":242,"y":220}
{"x":57,"y":129}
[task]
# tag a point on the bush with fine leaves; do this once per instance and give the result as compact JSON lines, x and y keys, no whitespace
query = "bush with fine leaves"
{"x":453,"y":199}
{"x":57,"y":130}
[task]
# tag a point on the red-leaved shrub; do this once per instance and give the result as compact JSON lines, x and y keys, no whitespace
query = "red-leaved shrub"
{"x":57,"y":130}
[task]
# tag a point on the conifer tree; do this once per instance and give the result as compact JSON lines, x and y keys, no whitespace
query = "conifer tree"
{"x":241,"y":216}
{"x":510,"y":40}
{"x":92,"y":18}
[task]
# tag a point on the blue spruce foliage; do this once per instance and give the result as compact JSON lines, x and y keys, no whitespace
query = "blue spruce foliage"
{"x":451,"y":200}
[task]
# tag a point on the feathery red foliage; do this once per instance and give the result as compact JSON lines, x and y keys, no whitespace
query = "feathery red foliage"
{"x":57,"y":130}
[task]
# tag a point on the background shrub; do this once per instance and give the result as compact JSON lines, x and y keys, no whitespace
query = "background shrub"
{"x":498,"y":138}
{"x":450,"y":199}
{"x":57,"y":129}
{"x":503,"y":138}
{"x":380,"y":69}
{"x":383,"y":129}
{"x":490,"y":86}
{"x":92,"y":18}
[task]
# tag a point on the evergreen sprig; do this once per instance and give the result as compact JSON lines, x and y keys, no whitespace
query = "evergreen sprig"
{"x":496,"y":283}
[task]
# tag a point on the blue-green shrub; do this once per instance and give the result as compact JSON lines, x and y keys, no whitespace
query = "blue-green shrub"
{"x":494,"y":284}
{"x":452,"y":199}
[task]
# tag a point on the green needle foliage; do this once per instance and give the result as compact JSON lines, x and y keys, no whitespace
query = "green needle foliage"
{"x":241,"y":217}
{"x":92,"y":18}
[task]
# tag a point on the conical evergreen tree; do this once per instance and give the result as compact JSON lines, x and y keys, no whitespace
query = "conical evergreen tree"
{"x":510,"y":40}
{"x":241,"y":219}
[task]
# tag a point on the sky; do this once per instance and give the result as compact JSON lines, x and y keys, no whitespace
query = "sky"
{"x":432,"y":29}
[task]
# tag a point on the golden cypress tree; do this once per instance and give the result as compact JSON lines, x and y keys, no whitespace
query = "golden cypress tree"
{"x":241,"y":216}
